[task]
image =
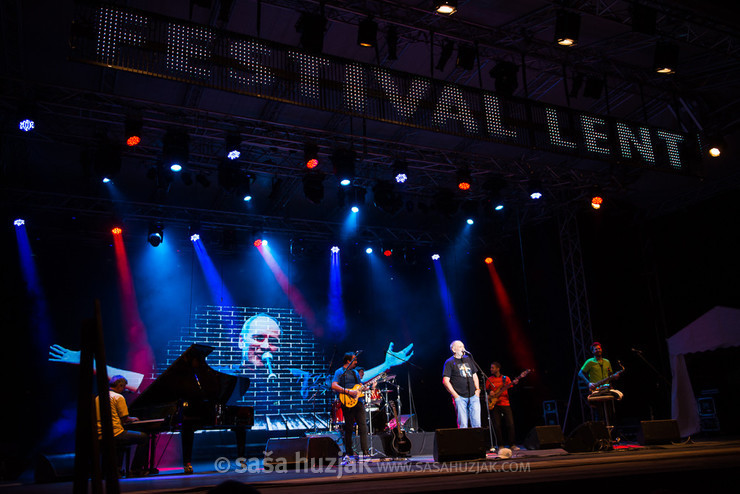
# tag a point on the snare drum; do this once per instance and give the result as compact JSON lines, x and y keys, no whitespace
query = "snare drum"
{"x":337,"y":416}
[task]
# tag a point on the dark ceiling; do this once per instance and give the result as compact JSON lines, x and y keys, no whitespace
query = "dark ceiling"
{"x":76,"y":103}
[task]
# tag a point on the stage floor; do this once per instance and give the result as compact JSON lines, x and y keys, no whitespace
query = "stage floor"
{"x":679,"y":468}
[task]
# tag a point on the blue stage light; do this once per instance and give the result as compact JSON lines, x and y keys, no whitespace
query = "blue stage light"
{"x":335,"y":250}
{"x":369,"y":250}
{"x":19,"y":222}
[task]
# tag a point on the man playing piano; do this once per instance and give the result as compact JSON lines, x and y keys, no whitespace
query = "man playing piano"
{"x":120,"y":417}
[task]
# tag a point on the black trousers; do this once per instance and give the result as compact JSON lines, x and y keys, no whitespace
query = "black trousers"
{"x":503,"y":414}
{"x":352,"y":416}
{"x":134,"y":438}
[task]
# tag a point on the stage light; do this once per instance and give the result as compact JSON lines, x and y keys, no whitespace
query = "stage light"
{"x":103,"y":160}
{"x":535,"y":189}
{"x":400,"y":171}
{"x":258,"y":243}
{"x":194,"y":237}
{"x":387,"y":252}
{"x":666,"y":57}
{"x":715,"y":146}
{"x":233,"y":146}
{"x":26,"y":117}
{"x":175,"y":152}
{"x":447,"y":48}
{"x":26,"y":125}
{"x":155,"y":235}
{"x":470,"y":221}
{"x":367,"y":33}
{"x":435,"y":257}
{"x":498,"y":207}
{"x":446,"y":7}
{"x":344,"y":165}
{"x":567,"y":28}
{"x":133,"y":128}
{"x":19,"y":222}
{"x":463,"y":179}
{"x":116,"y":230}
{"x":355,"y":209}
{"x":311,"y":28}
{"x":106,"y":180}
{"x":596,"y":202}
{"x":465,"y":57}
{"x":369,"y":250}
{"x":488,"y":260}
{"x":311,"y":155}
{"x":535,"y":195}
{"x":335,"y":250}
{"x":505,"y":75}
{"x":313,"y":187}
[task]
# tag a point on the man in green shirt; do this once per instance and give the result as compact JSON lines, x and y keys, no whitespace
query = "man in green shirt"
{"x":595,"y":369}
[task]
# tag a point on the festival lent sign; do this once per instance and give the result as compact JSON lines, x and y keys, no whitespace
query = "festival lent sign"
{"x":150,"y":44}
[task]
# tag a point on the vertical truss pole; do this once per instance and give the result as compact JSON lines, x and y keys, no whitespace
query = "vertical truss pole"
{"x":575,"y":287}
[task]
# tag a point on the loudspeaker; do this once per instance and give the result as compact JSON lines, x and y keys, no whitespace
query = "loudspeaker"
{"x":589,"y":436}
{"x":658,"y":432}
{"x":459,"y":444}
{"x":54,"y":468}
{"x":293,"y":450}
{"x":544,"y":437}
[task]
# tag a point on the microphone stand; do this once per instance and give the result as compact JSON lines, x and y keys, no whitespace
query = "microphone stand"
{"x":491,"y":433}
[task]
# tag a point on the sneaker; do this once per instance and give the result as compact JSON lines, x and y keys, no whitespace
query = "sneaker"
{"x":187,"y":469}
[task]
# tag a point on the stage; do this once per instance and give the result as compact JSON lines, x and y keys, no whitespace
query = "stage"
{"x":683,"y":467}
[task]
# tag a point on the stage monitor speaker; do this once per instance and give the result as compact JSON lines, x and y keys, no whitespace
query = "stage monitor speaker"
{"x":544,"y":437}
{"x":54,"y":468}
{"x":658,"y":432}
{"x":589,"y":436}
{"x":459,"y":444}
{"x":292,"y":450}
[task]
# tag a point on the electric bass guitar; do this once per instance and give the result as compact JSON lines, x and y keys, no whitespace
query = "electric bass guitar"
{"x":604,"y":381}
{"x":350,"y":401}
{"x":494,"y":395}
{"x":400,"y":443}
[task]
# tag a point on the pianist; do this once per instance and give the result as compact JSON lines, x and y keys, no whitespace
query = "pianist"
{"x":120,"y":417}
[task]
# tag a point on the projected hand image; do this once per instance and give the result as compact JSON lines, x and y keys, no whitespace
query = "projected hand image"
{"x":58,"y":353}
{"x":396,"y":358}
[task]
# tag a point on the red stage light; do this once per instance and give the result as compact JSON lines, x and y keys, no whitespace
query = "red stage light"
{"x":116,"y":231}
{"x":387,"y":253}
{"x":463,"y":186}
{"x":489,"y":260}
{"x":133,"y":140}
{"x":258,"y":243}
{"x":596,"y":202}
{"x":312,"y":163}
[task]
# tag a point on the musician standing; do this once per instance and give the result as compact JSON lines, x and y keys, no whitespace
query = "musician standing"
{"x":345,"y":378}
{"x":502,"y":409}
{"x":460,"y":379}
{"x":594,"y":370}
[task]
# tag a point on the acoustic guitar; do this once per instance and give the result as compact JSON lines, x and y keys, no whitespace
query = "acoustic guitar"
{"x":400,"y":443}
{"x":494,"y":395}
{"x":350,"y":401}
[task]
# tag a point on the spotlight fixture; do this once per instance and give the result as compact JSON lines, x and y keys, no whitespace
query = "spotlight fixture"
{"x":494,"y":187}
{"x":311,"y":28}
{"x":470,"y":221}
{"x":447,"y":48}
{"x":567,"y":28}
{"x":245,"y":187}
{"x":117,"y":230}
{"x":369,"y":250}
{"x":446,"y":7}
{"x":175,"y":152}
{"x":195,"y":231}
{"x":335,"y":250}
{"x":596,"y":202}
{"x":464,"y":179}
{"x":435,"y":257}
{"x":505,"y":75}
{"x":400,"y":171}
{"x":344,"y":165}
{"x":488,"y":260}
{"x":367,"y":33}
{"x":465,"y":57}
{"x":19,"y":222}
{"x":155,"y":235}
{"x":666,"y":58}
{"x":103,"y":161}
{"x":535,"y":189}
{"x":311,"y":155}
{"x":194,"y":237}
{"x":232,"y":148}
{"x":387,"y":252}
{"x":715,"y":146}
{"x":26,"y":117}
{"x":133,"y":128}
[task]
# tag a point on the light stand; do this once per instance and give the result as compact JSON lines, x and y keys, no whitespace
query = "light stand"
{"x":491,"y":433}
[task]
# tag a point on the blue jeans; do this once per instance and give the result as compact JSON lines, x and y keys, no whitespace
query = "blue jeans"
{"x":468,"y":411}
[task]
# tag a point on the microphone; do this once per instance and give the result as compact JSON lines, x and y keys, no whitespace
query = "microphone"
{"x":358,"y":352}
{"x":636,"y":350}
{"x":465,"y":351}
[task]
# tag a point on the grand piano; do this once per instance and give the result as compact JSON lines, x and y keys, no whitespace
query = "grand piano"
{"x":191,"y":396}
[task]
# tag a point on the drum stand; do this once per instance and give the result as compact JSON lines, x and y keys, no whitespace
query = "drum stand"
{"x":370,"y":448}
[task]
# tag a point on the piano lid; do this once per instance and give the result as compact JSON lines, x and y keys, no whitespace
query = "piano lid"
{"x":189,"y":378}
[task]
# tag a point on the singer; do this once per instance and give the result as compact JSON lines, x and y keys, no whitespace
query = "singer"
{"x":461,"y":381}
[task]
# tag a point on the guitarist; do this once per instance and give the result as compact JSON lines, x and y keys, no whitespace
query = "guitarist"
{"x":502,"y":408}
{"x":594,"y":370}
{"x":345,"y":378}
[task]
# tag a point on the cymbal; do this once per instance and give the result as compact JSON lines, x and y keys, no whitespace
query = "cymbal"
{"x":389,"y":378}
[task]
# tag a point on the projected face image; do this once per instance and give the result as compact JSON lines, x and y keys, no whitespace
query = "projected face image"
{"x":259,"y":337}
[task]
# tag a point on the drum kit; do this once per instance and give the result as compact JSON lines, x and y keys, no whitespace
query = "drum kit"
{"x":377,"y":405}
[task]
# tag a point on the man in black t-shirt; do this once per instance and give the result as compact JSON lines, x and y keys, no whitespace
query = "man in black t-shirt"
{"x":460,"y":379}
